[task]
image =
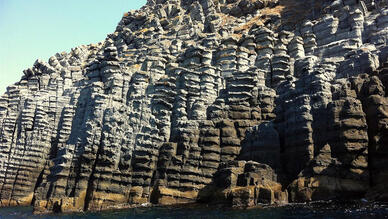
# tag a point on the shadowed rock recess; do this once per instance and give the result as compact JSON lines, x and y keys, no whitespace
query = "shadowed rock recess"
{"x":239,"y":102}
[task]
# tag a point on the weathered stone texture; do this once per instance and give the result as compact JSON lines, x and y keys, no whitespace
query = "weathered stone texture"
{"x":240,"y":102}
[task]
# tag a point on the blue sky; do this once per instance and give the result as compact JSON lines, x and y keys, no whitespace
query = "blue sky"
{"x":37,"y":29}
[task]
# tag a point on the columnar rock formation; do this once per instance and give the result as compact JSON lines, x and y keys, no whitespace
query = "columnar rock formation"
{"x":234,"y":101}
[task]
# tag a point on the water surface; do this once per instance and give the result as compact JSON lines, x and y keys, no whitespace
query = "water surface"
{"x":328,"y":210}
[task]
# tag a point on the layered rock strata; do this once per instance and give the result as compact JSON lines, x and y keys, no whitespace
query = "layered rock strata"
{"x":234,"y":101}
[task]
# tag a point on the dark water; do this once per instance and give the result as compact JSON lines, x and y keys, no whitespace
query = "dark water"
{"x":317,"y":210}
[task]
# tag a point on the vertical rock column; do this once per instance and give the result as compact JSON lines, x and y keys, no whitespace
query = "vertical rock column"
{"x":67,"y":181}
{"x":294,"y":119}
{"x":340,"y":167}
{"x":162,"y":104}
{"x":209,"y":142}
{"x":309,"y":38}
{"x":27,"y":156}
{"x":264,"y":49}
{"x":3,"y":109}
{"x":280,"y":65}
{"x":7,"y":138}
{"x":375,"y":105}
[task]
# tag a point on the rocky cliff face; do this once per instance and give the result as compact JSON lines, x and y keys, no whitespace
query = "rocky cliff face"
{"x":233,"y":101}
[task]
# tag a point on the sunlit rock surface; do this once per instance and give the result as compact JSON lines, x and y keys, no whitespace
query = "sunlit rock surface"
{"x":238,"y":102}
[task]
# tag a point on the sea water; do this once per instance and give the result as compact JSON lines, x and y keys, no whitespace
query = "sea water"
{"x":328,"y":210}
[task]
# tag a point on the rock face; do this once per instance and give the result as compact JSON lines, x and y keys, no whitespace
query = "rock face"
{"x":234,"y":101}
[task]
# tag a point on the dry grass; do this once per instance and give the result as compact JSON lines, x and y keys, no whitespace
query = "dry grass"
{"x":136,"y":66}
{"x":365,"y":49}
{"x":245,"y":27}
{"x":226,"y":19}
{"x":144,"y":30}
{"x":296,"y":11}
{"x":273,"y":11}
{"x":261,"y":18}
{"x":261,"y":47}
{"x":238,"y":36}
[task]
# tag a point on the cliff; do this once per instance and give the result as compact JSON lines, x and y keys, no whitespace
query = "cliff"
{"x":237,"y":102}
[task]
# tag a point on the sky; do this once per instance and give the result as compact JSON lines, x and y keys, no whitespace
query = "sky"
{"x":38,"y":29}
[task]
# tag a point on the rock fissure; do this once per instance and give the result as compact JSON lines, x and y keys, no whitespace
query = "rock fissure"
{"x":239,"y":102}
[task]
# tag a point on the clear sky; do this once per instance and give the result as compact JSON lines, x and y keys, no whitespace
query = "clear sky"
{"x":37,"y":29}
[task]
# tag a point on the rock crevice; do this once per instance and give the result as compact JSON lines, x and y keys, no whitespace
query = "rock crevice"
{"x":240,"y":102}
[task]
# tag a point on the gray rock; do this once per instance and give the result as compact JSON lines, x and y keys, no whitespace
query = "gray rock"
{"x":199,"y":99}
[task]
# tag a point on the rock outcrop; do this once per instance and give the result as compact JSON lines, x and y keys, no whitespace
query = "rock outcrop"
{"x":238,"y":102}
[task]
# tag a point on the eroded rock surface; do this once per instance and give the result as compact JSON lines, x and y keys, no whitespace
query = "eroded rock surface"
{"x":234,"y":101}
